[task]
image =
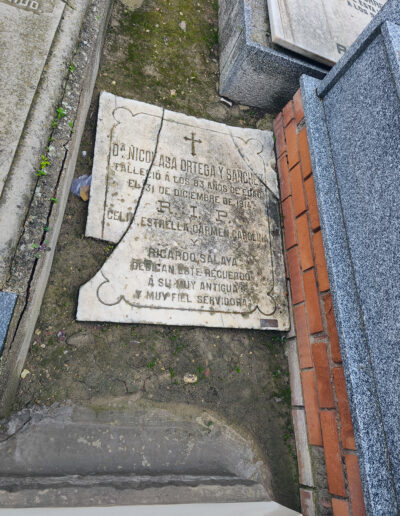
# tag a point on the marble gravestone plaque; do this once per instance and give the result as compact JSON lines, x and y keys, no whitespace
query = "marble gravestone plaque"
{"x":320,"y":29}
{"x":194,"y":207}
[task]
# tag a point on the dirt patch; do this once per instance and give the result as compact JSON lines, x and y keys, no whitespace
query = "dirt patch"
{"x":132,"y":4}
{"x":241,"y":375}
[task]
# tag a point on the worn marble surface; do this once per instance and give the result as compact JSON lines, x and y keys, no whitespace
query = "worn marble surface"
{"x":353,"y":131}
{"x":196,"y":205}
{"x":320,"y":29}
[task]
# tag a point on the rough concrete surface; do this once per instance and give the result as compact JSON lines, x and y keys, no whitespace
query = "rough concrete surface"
{"x":125,"y":435}
{"x":128,"y":444}
{"x":31,"y":91}
{"x":21,"y":66}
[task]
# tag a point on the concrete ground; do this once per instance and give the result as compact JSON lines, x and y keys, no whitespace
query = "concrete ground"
{"x":151,"y":55}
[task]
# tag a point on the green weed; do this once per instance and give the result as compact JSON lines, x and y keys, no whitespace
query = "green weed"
{"x":152,"y":363}
{"x":60,"y":112}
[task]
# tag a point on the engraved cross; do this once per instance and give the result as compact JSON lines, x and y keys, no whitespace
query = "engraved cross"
{"x":194,"y":141}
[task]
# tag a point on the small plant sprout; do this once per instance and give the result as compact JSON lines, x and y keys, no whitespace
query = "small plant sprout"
{"x":237,"y":369}
{"x":60,"y":112}
{"x":45,"y":162}
{"x":72,"y":67}
{"x":152,"y":363}
{"x":46,"y":229}
{"x":54,"y":200}
{"x":35,"y":246}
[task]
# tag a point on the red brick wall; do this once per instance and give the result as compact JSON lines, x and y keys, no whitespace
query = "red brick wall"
{"x":321,"y":412}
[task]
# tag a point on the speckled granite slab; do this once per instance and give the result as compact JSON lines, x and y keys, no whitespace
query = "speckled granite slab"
{"x":7,"y":304}
{"x":353,"y":124}
{"x":253,"y":70}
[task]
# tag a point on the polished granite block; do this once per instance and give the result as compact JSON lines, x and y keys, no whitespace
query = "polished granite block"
{"x":253,"y":70}
{"x":353,"y":124}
